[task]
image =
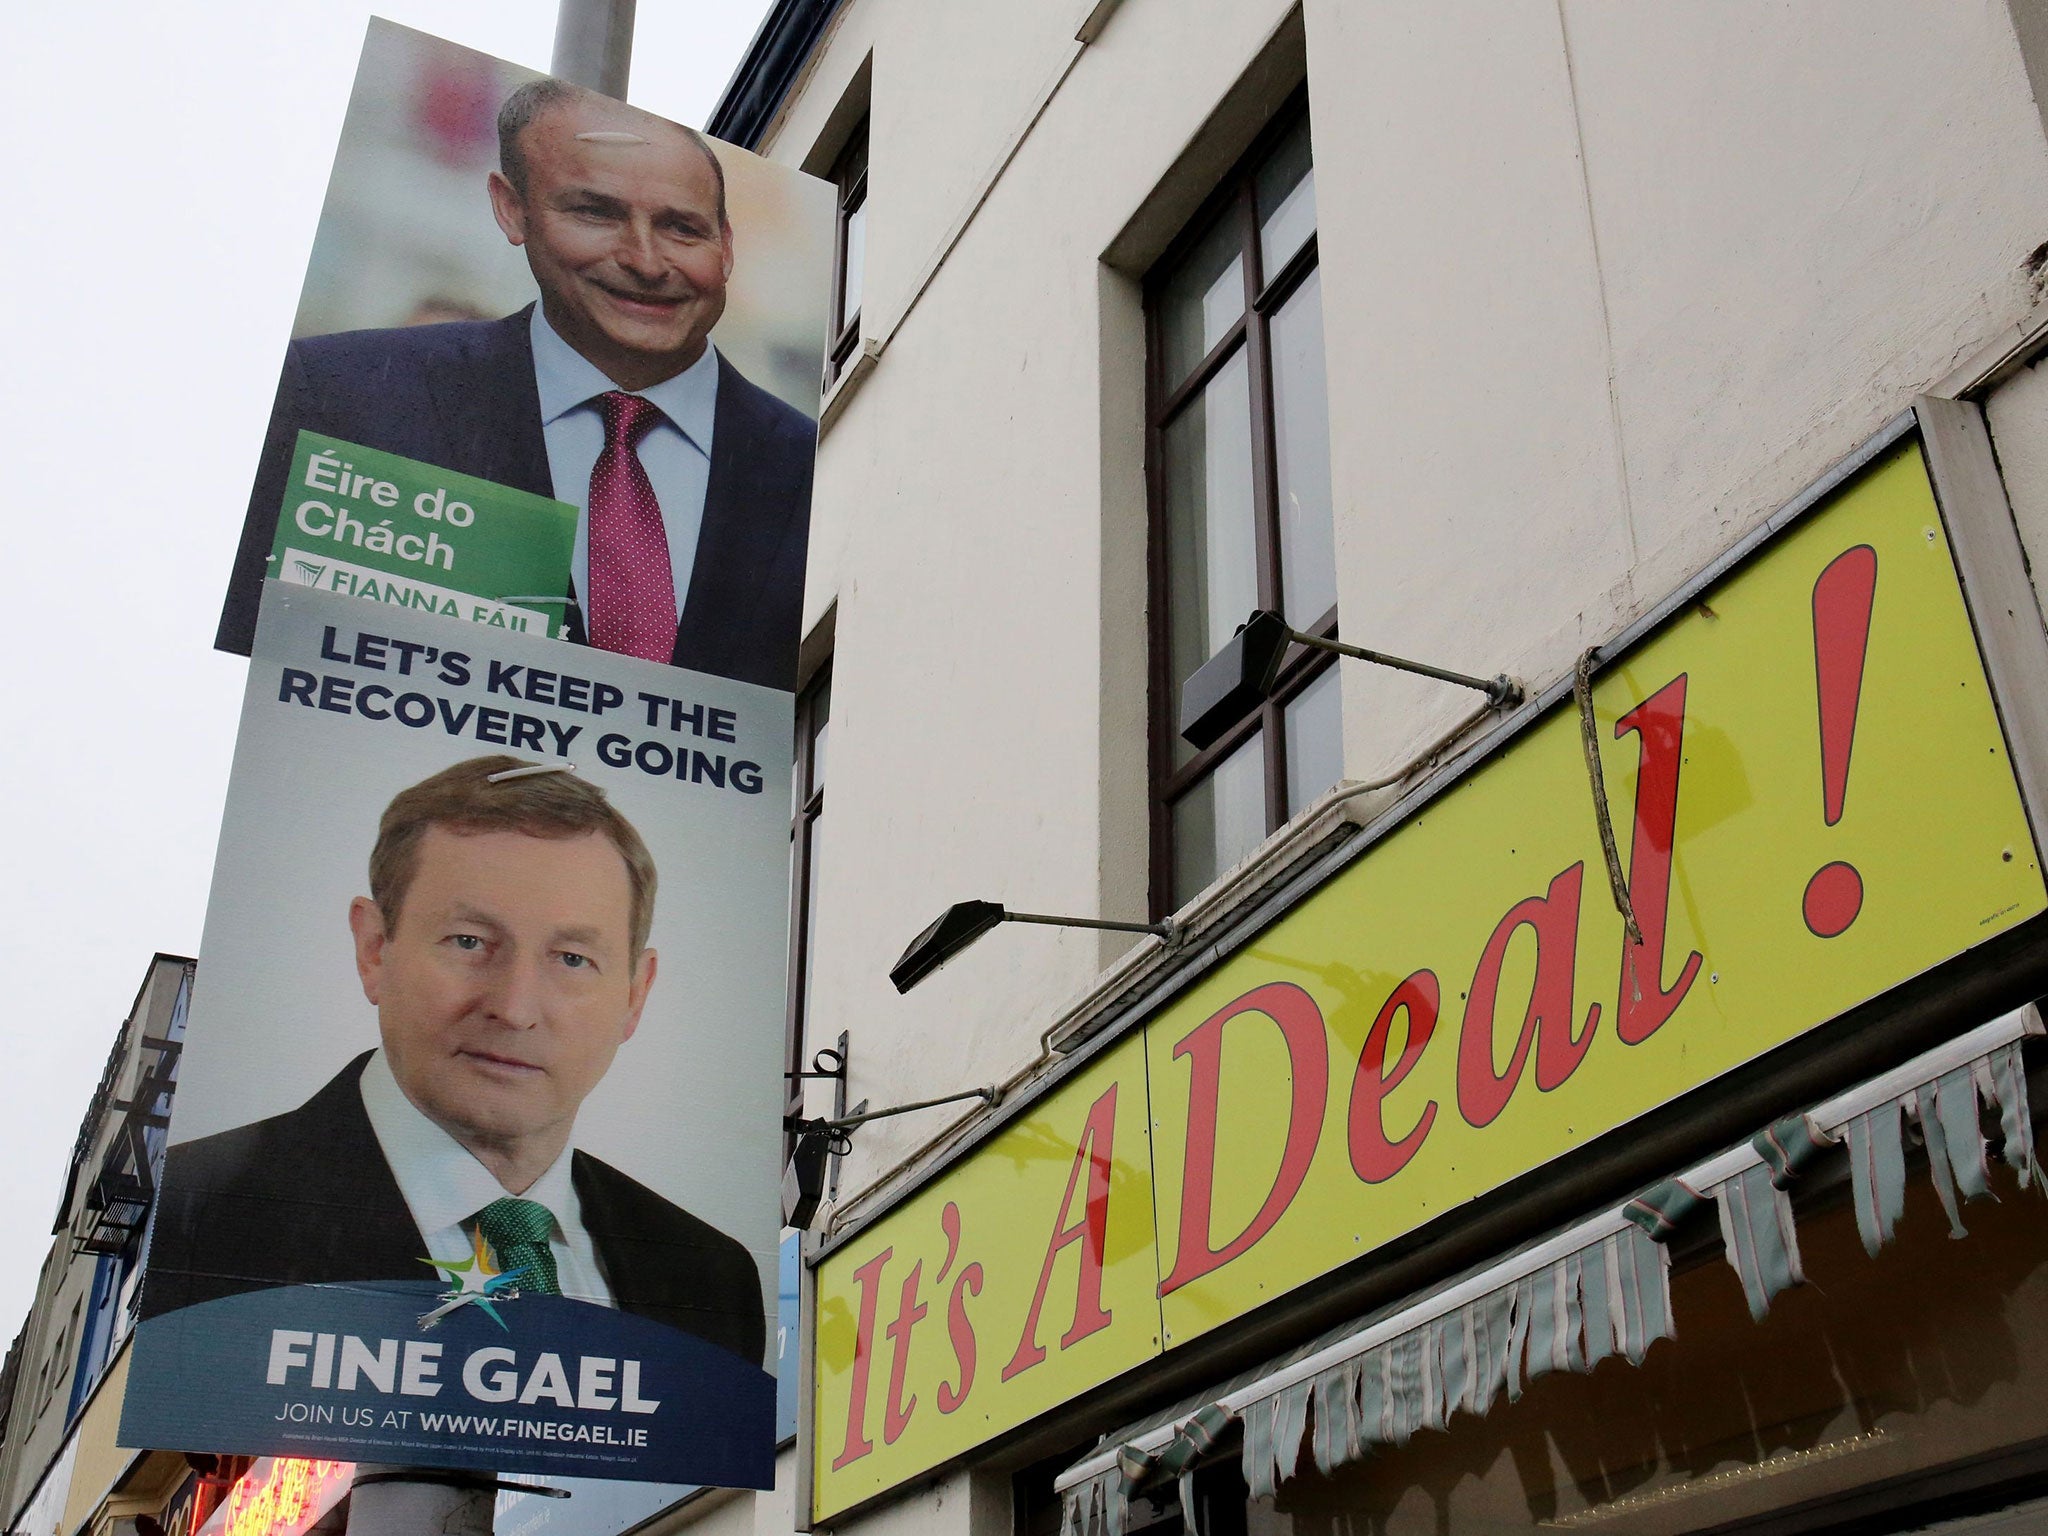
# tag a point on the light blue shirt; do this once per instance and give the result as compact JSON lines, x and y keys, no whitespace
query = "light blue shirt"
{"x":676,"y":452}
{"x":445,"y":1186}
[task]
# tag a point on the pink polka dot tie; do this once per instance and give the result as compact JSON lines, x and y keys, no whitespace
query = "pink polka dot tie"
{"x":632,"y":592}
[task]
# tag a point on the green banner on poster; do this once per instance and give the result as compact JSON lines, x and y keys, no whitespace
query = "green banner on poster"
{"x":393,"y":530}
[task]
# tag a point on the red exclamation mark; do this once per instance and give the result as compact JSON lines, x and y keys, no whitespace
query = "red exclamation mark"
{"x":1841,"y":637}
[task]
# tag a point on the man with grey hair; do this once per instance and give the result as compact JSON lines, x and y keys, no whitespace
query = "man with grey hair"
{"x":503,"y":944}
{"x":692,"y":484}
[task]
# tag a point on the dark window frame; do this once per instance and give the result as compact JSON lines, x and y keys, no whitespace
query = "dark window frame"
{"x":1234,"y":198}
{"x":850,"y":172}
{"x":807,"y":800}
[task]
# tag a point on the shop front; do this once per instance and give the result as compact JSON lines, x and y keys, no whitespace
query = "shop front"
{"x":1630,"y":1127}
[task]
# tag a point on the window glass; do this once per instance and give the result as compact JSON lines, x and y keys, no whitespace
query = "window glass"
{"x":807,"y":830}
{"x":851,"y":175}
{"x":821,"y":727}
{"x":1315,"y":741}
{"x":1201,"y":301}
{"x":813,"y":720}
{"x":1212,"y":551}
{"x":855,"y":265}
{"x":814,"y":853}
{"x":1239,"y":527}
{"x":1301,"y":438}
{"x":1286,"y":194}
{"x":1220,"y":820}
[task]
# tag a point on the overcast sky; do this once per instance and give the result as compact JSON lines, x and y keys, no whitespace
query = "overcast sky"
{"x":167,"y":170}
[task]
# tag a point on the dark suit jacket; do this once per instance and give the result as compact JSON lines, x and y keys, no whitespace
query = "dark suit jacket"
{"x":306,"y":1198}
{"x":462,"y":396}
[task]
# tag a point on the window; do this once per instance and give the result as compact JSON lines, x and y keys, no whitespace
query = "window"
{"x":807,"y":810}
{"x":1238,"y":459}
{"x":849,"y":265}
{"x":57,"y":1366}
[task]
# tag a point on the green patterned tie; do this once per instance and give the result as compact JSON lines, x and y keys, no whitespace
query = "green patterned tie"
{"x":518,"y":1232}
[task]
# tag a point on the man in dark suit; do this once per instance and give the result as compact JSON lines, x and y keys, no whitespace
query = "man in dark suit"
{"x":504,"y":947}
{"x":693,"y":482}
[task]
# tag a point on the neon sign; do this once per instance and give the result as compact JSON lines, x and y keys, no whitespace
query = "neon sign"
{"x":281,"y":1496}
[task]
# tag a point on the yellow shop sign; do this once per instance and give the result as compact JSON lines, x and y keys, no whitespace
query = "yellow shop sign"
{"x":1813,"y":803}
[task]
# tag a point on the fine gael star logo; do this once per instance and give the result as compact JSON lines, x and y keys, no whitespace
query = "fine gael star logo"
{"x":475,"y":1281}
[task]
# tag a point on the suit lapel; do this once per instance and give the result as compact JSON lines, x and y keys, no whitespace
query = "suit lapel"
{"x":731,"y":561}
{"x":486,"y":404}
{"x":604,"y":1222}
{"x":487,"y":401}
{"x":367,"y":1221}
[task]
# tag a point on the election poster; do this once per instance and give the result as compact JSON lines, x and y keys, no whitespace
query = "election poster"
{"x":474,"y":1156}
{"x":616,"y":322}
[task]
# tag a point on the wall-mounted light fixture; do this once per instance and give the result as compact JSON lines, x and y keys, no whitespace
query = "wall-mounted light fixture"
{"x":803,"y":1179}
{"x":817,"y":1141}
{"x":965,"y":921}
{"x":1239,"y":677}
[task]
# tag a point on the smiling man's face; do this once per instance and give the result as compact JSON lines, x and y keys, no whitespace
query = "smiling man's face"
{"x":620,"y":221}
{"x":505,"y":986}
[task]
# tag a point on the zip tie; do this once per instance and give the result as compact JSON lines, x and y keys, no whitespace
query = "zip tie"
{"x":529,"y":771}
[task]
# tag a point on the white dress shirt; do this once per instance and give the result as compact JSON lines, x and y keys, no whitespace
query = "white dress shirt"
{"x":676,"y":452}
{"x":445,"y":1186}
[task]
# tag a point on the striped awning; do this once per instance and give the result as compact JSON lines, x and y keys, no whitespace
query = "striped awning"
{"x":1593,"y":1291}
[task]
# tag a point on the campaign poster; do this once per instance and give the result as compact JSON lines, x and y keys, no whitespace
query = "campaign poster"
{"x":474,"y":1156}
{"x":538,"y":288}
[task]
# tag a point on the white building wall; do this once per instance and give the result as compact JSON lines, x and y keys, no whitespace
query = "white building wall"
{"x":963,"y":529}
{"x":1477,"y":472}
{"x":1604,"y":286}
{"x":2018,"y":415}
{"x":1653,"y":269}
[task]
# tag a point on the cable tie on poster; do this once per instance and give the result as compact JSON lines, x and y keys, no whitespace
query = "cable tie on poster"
{"x":529,"y":771}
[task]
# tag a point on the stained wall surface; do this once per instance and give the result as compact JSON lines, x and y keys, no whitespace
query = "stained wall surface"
{"x":1603,"y":287}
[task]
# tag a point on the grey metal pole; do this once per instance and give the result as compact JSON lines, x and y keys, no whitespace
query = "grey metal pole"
{"x":594,"y":48}
{"x":386,"y":1501}
{"x":594,"y":44}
